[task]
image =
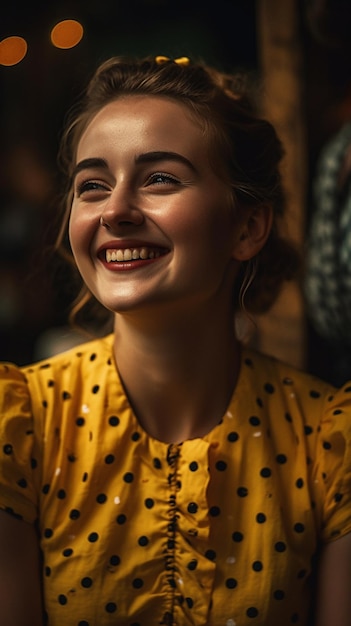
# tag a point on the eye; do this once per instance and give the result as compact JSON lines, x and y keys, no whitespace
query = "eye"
{"x":161,"y":178}
{"x":91,"y":186}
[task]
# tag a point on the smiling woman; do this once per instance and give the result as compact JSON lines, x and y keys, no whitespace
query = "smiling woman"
{"x":174,"y":475}
{"x":251,"y":176}
{"x":168,"y":205}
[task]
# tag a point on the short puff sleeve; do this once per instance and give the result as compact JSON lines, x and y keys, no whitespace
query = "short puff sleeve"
{"x":19,"y":463}
{"x":333,"y":457}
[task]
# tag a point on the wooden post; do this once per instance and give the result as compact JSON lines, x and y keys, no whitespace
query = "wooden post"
{"x":282,"y":332}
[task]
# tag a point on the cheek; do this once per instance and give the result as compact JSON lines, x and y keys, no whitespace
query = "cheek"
{"x":73,"y":232}
{"x":80,"y":230}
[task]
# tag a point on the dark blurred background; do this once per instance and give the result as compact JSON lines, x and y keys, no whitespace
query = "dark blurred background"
{"x":37,"y":92}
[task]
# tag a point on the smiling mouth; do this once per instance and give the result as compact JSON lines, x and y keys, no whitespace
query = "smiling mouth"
{"x":119,"y":255}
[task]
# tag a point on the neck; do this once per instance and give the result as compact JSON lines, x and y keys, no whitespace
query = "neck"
{"x":179,"y":375}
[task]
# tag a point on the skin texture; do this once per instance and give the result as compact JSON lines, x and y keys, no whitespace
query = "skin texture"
{"x":334,"y":597}
{"x":20,"y":580}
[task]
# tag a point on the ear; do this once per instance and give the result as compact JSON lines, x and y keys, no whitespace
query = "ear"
{"x":254,"y":232}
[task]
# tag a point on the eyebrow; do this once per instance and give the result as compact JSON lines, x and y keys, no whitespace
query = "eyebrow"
{"x":161,"y":155}
{"x":87,"y":164}
{"x":147,"y":157}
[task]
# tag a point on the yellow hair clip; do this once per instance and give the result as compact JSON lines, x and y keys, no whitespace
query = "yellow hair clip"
{"x":180,"y":61}
{"x":160,"y":60}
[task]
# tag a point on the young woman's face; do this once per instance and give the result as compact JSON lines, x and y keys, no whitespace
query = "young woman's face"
{"x":151,"y":224}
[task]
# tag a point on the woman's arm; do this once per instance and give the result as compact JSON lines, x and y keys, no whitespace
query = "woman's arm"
{"x":20,"y":586}
{"x":334,"y":585}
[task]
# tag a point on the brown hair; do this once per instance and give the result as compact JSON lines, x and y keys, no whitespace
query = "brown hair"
{"x":243,"y":148}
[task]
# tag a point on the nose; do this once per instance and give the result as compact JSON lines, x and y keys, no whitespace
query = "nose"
{"x":121,"y":209}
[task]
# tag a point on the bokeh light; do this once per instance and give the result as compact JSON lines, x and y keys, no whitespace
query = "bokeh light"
{"x":12,"y":50}
{"x":67,"y":34}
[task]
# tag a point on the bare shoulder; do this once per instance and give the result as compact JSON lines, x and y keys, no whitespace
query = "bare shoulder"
{"x":334,"y":598}
{"x":20,"y":579}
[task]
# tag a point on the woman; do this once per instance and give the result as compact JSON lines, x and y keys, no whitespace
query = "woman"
{"x":165,"y":474}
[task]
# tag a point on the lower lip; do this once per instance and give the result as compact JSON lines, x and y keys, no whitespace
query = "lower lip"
{"x":127,"y":266}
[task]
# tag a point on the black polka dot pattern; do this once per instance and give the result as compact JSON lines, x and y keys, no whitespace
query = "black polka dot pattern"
{"x":206,"y":519}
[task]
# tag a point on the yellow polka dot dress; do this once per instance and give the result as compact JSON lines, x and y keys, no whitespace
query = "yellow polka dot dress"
{"x":218,"y":531}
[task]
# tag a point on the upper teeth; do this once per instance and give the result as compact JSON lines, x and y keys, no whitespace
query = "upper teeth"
{"x":130,"y":254}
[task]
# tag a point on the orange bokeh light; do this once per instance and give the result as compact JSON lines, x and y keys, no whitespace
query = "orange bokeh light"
{"x":12,"y":50}
{"x":67,"y":34}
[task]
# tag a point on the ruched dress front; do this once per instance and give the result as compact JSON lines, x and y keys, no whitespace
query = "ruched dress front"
{"x":217,"y":531}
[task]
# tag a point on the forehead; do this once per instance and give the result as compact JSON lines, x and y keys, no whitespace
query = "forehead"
{"x":138,"y":119}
